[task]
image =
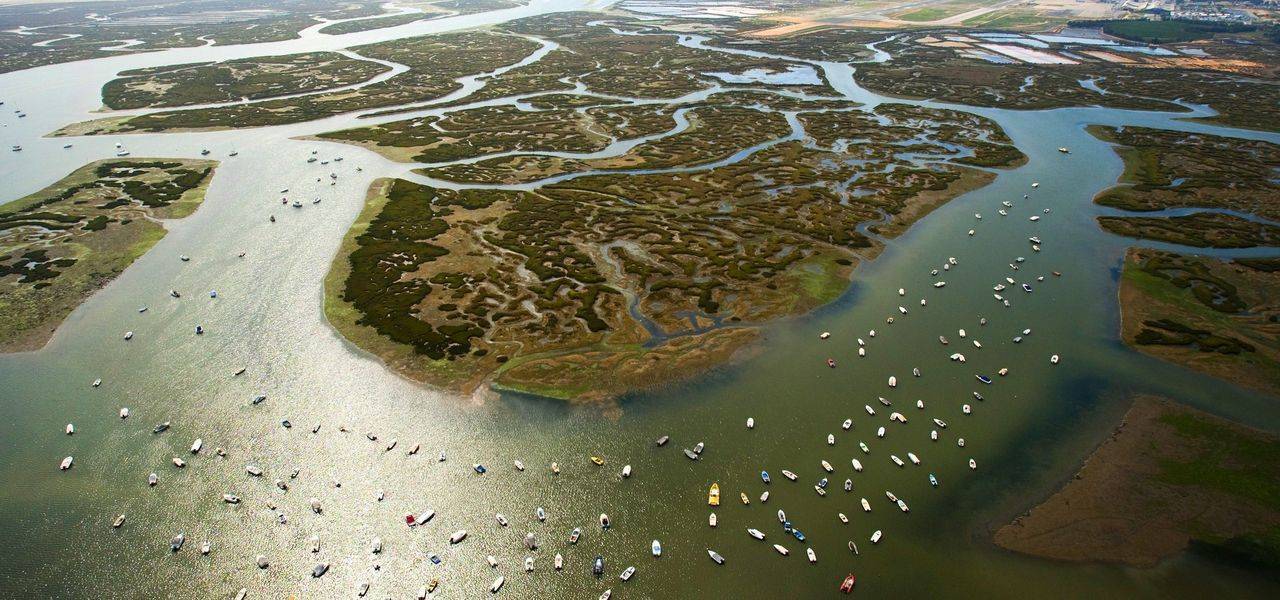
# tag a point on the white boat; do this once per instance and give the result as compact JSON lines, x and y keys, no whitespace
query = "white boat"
{"x":541,"y":514}
{"x":903,"y":505}
{"x":782,"y":516}
{"x":559,"y":562}
{"x":893,"y":381}
{"x":502,"y":519}
{"x":824,"y":335}
{"x":826,"y":466}
{"x":966,"y":409}
{"x":847,"y":424}
{"x":711,"y":520}
{"x":124,"y":413}
{"x":842,"y":517}
{"x":875,"y":537}
{"x":755,"y":533}
{"x":821,"y":492}
{"x":626,"y":574}
{"x":497,"y":584}
{"x":253,"y":470}
{"x":764,"y":497}
{"x":960,"y":442}
{"x":196,"y":446}
{"x":118,"y":522}
{"x":781,"y":550}
{"x":719,"y":560}
{"x":857,"y":465}
{"x":813,"y":557}
{"x":66,"y":463}
{"x":973,"y":464}
{"x":528,"y":564}
{"x":128,"y":335}
{"x":71,"y":429}
{"x":789,"y":475}
{"x":831,"y":439}
{"x":152,"y":479}
{"x":1054,"y":359}
{"x":178,"y":462}
{"x":915,"y":460}
{"x":606,"y":594}
{"x":626,"y":471}
{"x":896,"y":460}
{"x":866,"y":506}
{"x":880,"y":432}
{"x":655,"y":548}
{"x":863,"y":446}
{"x":458,"y":536}
{"x":751,"y":423}
{"x":870,"y":411}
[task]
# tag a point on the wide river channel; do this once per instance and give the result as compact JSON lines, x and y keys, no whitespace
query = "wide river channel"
{"x":1027,"y":437}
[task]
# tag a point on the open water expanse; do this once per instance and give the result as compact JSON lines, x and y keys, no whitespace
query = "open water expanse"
{"x":1028,"y":436}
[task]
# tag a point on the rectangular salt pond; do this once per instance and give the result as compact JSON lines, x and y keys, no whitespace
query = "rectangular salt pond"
{"x":1028,"y":55}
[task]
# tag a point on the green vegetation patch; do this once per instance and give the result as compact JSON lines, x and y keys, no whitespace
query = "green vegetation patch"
{"x":1167,"y":31}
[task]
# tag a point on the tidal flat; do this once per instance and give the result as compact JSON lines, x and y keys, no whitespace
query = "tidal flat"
{"x":61,"y":244}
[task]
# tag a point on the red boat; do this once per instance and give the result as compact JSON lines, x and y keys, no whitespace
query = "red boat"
{"x":847,"y":586}
{"x":410,"y":520}
{"x":831,"y":362}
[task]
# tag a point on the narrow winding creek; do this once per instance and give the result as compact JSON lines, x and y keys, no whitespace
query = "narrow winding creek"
{"x":1027,"y":437}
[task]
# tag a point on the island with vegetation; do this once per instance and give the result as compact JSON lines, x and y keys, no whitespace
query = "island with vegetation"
{"x":1215,"y":316}
{"x":1230,"y":183}
{"x":60,"y":245}
{"x":1169,"y":478}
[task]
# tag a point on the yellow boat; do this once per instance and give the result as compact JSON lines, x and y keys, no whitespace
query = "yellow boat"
{"x":713,"y":497}
{"x":743,"y":495}
{"x":596,"y":459}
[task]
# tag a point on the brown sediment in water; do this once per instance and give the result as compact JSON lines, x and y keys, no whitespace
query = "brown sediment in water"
{"x":1169,"y":476}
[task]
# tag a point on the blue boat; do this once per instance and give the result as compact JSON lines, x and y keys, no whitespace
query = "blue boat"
{"x":786,"y":526}
{"x":822,"y":483}
{"x":799,"y":536}
{"x":933,"y":481}
{"x":479,"y":468}
{"x":984,"y":379}
{"x":764,"y":475}
{"x":435,"y":559}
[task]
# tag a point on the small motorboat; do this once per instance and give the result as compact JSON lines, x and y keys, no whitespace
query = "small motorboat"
{"x":597,"y":566}
{"x":797,"y":534}
{"x":843,"y":518}
{"x":458,"y":536}
{"x":655,"y":548}
{"x":848,"y":485}
{"x":813,"y":556}
{"x":1053,"y":360}
{"x":662,"y":441}
{"x":604,"y":521}
{"x":541,"y":514}
{"x":781,"y":549}
{"x":711,"y":520}
{"x":626,"y":574}
{"x":866,"y":506}
{"x":118,"y":522}
{"x":983,"y":379}
{"x":197,"y":445}
{"x":597,"y":461}
{"x":555,"y":469}
{"x":826,"y":466}
{"x":831,"y":362}
{"x":831,"y":439}
{"x":821,"y":492}
{"x":764,"y":497}
{"x":66,"y":463}
{"x":846,"y":586}
{"x":764,"y":476}
{"x":253,"y":470}
{"x":751,"y":423}
{"x":915,"y":460}
{"x":857,"y":465}
{"x":933,"y":481}
{"x":896,"y":460}
{"x":863,"y":446}
{"x":497,"y":584}
{"x":847,"y":424}
{"x":479,"y":468}
{"x":719,"y":560}
{"x":875,"y":537}
{"x":124,"y":413}
{"x":697,"y":448}
{"x":178,"y":462}
{"x":502,"y":519}
{"x":528,"y":564}
{"x":903,"y":506}
{"x":176,"y":543}
{"x":755,"y":533}
{"x":153,"y":479}
{"x":789,"y":475}
{"x":559,"y":562}
{"x":574,"y":535}
{"x":973,"y":464}
{"x":691,"y":454}
{"x":713,"y":496}
{"x":626,"y":471}
{"x":782,"y":516}
{"x":745,"y":501}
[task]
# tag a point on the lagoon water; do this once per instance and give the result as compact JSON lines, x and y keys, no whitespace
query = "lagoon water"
{"x":1027,"y":437}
